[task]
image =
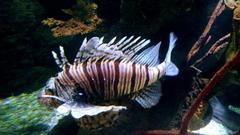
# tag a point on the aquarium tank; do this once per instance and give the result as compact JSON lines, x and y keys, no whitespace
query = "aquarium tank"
{"x":122,"y":67}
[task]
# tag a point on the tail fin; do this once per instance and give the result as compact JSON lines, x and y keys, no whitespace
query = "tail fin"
{"x":172,"y":69}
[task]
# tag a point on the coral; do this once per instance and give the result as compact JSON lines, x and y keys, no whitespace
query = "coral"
{"x":235,"y":6}
{"x":236,"y":12}
{"x":84,"y":20}
{"x":219,"y":8}
{"x":71,"y":27}
{"x":230,"y":3}
{"x":216,"y":47}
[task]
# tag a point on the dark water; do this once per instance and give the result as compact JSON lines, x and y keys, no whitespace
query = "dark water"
{"x":26,"y":45}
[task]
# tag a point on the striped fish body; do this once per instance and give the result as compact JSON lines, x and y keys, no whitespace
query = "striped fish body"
{"x":105,"y":72}
{"x":110,"y":78}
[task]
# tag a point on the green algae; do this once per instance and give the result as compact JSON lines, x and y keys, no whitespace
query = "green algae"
{"x":24,"y":115}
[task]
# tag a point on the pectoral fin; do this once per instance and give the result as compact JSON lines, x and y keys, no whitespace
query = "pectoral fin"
{"x":149,"y":95}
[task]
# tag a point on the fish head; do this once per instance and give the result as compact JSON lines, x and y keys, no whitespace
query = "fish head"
{"x":49,"y":95}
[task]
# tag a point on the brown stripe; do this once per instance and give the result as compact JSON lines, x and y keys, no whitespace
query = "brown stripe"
{"x":100,"y":77}
{"x":113,"y":77}
{"x":110,"y":79}
{"x":85,"y":79}
{"x":123,"y":77}
{"x":133,"y":77}
{"x":116,"y":71}
{"x":144,"y":74}
{"x":66,"y":76}
{"x":96,"y":78}
{"x":89,"y":78}
{"x":138,"y":77}
{"x":147,"y":76}
{"x":105,"y":71}
{"x":63,"y":78}
{"x":74,"y":73}
{"x":92,"y":76}
{"x":60,"y":77}
{"x":129,"y":73}
{"x":70,"y":76}
{"x":159,"y":73}
{"x":78,"y":70}
{"x":123,"y":84}
{"x":62,"y":91}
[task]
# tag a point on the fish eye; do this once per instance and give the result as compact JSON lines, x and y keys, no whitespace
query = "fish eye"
{"x":49,"y":89}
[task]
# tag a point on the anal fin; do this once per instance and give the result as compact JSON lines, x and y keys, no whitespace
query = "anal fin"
{"x":149,"y":96}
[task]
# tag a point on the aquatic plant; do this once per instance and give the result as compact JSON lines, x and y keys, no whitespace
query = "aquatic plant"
{"x":231,"y":59}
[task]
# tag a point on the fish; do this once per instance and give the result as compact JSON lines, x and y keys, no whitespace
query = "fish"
{"x":223,"y":115}
{"x":108,"y":71}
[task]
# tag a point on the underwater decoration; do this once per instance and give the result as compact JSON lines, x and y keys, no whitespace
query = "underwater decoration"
{"x":103,"y":72}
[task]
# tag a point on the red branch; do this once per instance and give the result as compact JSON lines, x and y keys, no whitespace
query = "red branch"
{"x":207,"y":89}
{"x":214,"y":49}
{"x":217,"y":11}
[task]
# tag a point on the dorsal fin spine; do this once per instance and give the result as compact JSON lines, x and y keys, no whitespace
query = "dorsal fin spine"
{"x":112,"y":41}
{"x":79,"y":53}
{"x":120,"y":41}
{"x":63,"y":56}
{"x":133,"y":47}
{"x":134,"y":51}
{"x":84,"y":43}
{"x":101,"y":40}
{"x":130,"y":44}
{"x":57,"y":61}
{"x":125,"y":42}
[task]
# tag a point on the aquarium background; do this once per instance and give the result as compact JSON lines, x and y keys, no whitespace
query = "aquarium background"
{"x":31,"y":29}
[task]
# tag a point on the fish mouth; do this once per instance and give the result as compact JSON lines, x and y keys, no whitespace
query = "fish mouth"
{"x":50,"y":100}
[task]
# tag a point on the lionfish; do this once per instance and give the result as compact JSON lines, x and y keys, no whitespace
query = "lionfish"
{"x":105,"y":72}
